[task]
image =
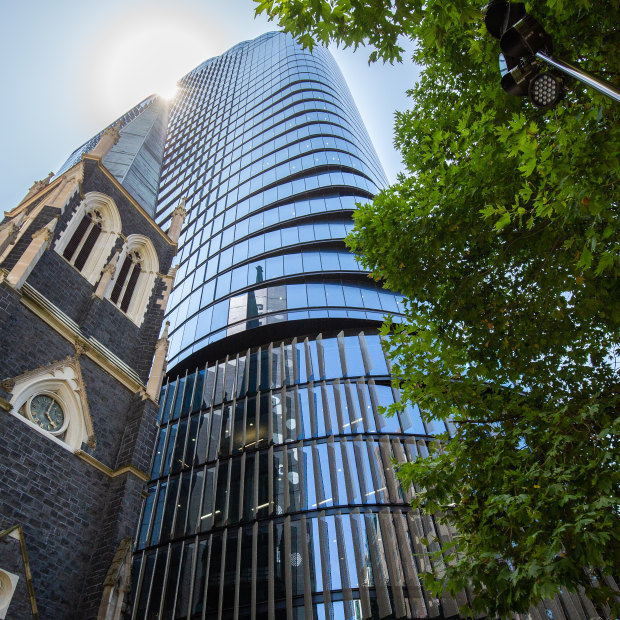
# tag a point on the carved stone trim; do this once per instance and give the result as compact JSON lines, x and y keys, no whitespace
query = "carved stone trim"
{"x":108,"y":471}
{"x":53,"y":369}
{"x":70,"y":330}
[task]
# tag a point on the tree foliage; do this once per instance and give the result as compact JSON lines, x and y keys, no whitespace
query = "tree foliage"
{"x":503,"y":234}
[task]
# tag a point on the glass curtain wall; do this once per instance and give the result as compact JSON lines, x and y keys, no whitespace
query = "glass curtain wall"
{"x":269,"y":152}
{"x":272,"y":491}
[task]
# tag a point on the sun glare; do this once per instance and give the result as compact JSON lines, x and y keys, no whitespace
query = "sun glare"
{"x":168,"y":92}
{"x":143,"y":56}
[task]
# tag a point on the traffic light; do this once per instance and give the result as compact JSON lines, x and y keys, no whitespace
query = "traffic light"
{"x":524,"y":43}
{"x":521,"y":38}
{"x":501,"y":15}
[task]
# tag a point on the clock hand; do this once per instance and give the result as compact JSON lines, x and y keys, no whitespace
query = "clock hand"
{"x":49,"y":418}
{"x":47,"y":414}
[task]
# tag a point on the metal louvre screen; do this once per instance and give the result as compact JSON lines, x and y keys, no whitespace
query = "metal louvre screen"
{"x":273,"y":489}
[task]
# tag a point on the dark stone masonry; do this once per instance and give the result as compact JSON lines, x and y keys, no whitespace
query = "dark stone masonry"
{"x":75,"y":511}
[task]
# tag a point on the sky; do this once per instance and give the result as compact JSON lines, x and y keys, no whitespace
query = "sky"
{"x":71,"y":67}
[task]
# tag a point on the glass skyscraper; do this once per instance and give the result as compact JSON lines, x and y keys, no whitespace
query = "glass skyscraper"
{"x":273,"y":493}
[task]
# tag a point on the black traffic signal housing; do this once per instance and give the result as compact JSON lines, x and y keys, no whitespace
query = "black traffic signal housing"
{"x":521,"y":38}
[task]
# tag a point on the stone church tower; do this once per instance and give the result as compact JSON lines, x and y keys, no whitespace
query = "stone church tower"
{"x":85,"y":275}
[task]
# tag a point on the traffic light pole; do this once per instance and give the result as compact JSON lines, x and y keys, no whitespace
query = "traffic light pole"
{"x":579,"y":74}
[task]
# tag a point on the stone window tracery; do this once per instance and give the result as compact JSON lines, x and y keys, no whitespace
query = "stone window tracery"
{"x":90,"y":236}
{"x":135,"y":275}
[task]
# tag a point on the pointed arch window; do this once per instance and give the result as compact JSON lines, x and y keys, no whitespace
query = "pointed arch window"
{"x":136,"y":272}
{"x":126,"y":281}
{"x":83,"y":240}
{"x":90,"y":235}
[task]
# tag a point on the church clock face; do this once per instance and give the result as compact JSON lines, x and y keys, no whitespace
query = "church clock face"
{"x":46,"y":410}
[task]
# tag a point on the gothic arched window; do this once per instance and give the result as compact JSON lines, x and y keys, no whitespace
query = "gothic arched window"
{"x":90,"y":235}
{"x":135,"y":274}
{"x":125,"y":283}
{"x":83,"y":240}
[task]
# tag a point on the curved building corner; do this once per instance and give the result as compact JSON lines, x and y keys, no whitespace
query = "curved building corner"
{"x":272,"y":490}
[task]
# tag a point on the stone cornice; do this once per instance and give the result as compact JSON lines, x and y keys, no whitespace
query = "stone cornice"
{"x":112,"y":473}
{"x":70,"y":330}
{"x":26,"y":203}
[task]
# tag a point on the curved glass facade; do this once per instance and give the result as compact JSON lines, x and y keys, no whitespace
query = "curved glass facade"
{"x":273,"y":493}
{"x":268,"y":149}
